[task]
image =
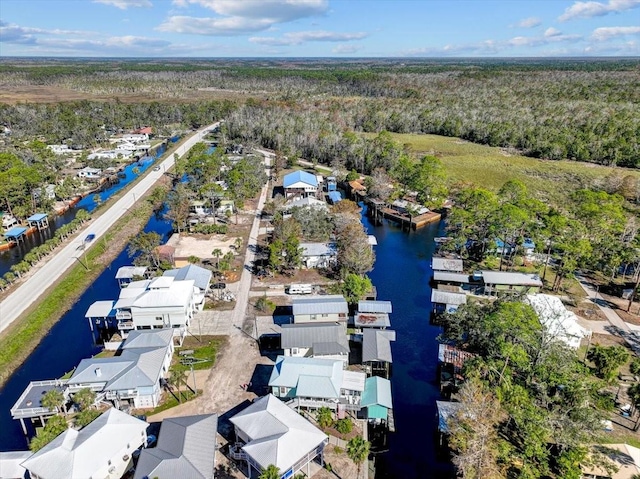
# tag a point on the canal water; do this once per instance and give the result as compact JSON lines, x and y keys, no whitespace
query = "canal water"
{"x":14,"y":255}
{"x":401,"y":274}
{"x":68,"y":341}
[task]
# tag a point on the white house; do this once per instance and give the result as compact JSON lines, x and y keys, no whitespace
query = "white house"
{"x":60,"y":149}
{"x":316,"y":340}
{"x":132,"y":378}
{"x":268,"y":432}
{"x":201,"y":279}
{"x":326,"y":309}
{"x":558,"y":321}
{"x":135,"y":137}
{"x":103,"y":449}
{"x":110,"y":155}
{"x":128,"y":146}
{"x":126,"y":274}
{"x":162,"y":302}
{"x":319,"y":255}
{"x":315,"y":383}
{"x":299,"y":184}
{"x":90,"y":173}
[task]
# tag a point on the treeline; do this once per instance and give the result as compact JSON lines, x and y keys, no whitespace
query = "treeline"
{"x":579,"y":110}
{"x":87,"y":123}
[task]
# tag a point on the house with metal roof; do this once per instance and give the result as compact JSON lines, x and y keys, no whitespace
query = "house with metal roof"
{"x":186,"y":449}
{"x":319,"y":255}
{"x":163,"y":302}
{"x":450,"y":364}
{"x":201,"y":280}
{"x":446,"y":301}
{"x":316,"y":383}
{"x":376,"y":399}
{"x":299,"y":184}
{"x":334,"y":197}
{"x":373,"y":314}
{"x":498,"y":283}
{"x":559,"y":323}
{"x":103,"y":449}
{"x":308,"y":202}
{"x":451,"y":265}
{"x":451,"y":278}
{"x":327,"y":309}
{"x":316,"y":340}
{"x":269,"y":432}
{"x":135,"y":376}
{"x":11,"y":464}
{"x":376,"y":350}
{"x":126,"y":274}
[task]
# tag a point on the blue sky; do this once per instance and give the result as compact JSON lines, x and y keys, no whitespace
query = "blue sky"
{"x":319,"y":28}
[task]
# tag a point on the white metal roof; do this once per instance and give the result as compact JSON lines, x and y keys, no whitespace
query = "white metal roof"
{"x":353,"y":380}
{"x":368,"y":306}
{"x":313,"y":377}
{"x":81,"y":454}
{"x":100,"y":309}
{"x":128,"y":272}
{"x":450,"y":277}
{"x":161,"y":282}
{"x":319,"y":249}
{"x":329,"y":304}
{"x":277,"y":435}
{"x":200,"y":276}
{"x":511,"y":278}
{"x":556,"y":319}
{"x":10,"y":464}
{"x":447,"y":264}
{"x":446,"y":297}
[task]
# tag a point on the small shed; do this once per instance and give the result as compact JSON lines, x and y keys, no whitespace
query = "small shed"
{"x":334,"y":197}
{"x":446,"y":301}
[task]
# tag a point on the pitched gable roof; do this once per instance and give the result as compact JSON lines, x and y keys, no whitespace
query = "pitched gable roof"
{"x":299,"y":177}
{"x":200,"y":276}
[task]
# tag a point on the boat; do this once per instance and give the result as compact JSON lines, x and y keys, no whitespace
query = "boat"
{"x":441,"y":239}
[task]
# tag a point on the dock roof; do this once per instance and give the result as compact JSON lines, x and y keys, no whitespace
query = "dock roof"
{"x":101,"y":309}
{"x":450,"y":277}
{"x":376,"y":345}
{"x":377,"y":391}
{"x":511,"y":278}
{"x":129,"y":272}
{"x":368,"y":306}
{"x":372,"y":320}
{"x":447,"y":264}
{"x":329,"y":304}
{"x":334,"y":196}
{"x":447,"y":297}
{"x":15,"y":232}
{"x":37,"y":217}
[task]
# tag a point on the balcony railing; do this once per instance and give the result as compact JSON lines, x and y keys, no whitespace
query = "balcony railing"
{"x":123,"y":315}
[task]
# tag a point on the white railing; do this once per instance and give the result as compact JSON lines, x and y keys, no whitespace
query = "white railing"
{"x":123,"y":315}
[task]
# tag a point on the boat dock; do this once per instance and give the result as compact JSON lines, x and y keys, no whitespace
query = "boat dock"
{"x":415,"y":222}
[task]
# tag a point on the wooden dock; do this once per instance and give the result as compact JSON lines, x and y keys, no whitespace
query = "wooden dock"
{"x":416,"y":221}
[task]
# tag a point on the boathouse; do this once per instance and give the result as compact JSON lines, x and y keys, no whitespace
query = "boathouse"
{"x":376,"y":351}
{"x":377,"y":401}
{"x":101,"y":315}
{"x":451,"y":265}
{"x":446,"y":301}
{"x":28,"y":405}
{"x":373,"y":314}
{"x":16,"y":234}
{"x":126,"y":274}
{"x":498,"y":283}
{"x":39,"y":220}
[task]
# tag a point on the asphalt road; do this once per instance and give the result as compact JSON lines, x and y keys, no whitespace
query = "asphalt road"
{"x":29,"y":291}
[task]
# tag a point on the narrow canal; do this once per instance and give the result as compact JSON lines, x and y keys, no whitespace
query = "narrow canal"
{"x":14,"y":255}
{"x":67,"y":343}
{"x":401,"y":274}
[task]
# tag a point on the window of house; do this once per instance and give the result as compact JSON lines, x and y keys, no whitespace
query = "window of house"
{"x":294,"y":350}
{"x":313,"y":316}
{"x":157,"y":326}
{"x":158,"y":318}
{"x":325,"y":315}
{"x":144,"y":327}
{"x":283,"y":391}
{"x":342,"y":315}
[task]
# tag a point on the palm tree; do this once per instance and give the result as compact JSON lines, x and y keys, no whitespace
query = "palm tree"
{"x":85,"y":398}
{"x":358,"y":451}
{"x":53,"y":399}
{"x":217,"y":253}
{"x":324,"y":417}
{"x":176,"y":379}
{"x":634,"y":394}
{"x":271,"y":472}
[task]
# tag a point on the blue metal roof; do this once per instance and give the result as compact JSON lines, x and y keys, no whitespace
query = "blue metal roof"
{"x":37,"y":217}
{"x":299,"y":176}
{"x":16,"y":232}
{"x":334,"y":196}
{"x":377,"y":390}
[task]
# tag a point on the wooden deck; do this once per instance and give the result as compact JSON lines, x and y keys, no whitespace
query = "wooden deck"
{"x":416,"y":222}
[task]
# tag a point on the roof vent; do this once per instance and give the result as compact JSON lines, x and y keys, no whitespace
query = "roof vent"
{"x":98,"y":372}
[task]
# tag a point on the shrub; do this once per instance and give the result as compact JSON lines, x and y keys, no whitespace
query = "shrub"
{"x":209,"y":229}
{"x":344,"y":426}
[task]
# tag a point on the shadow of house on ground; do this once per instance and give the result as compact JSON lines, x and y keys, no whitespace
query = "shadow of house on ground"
{"x":259,"y":384}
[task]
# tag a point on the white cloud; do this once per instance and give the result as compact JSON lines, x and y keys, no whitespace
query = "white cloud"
{"x":529,"y":22}
{"x":237,"y":17}
{"x":297,"y":38}
{"x":346,"y":49}
{"x":552,"y":32}
{"x":605,"y":33}
{"x":597,"y":9}
{"x":124,"y":4}
{"x":11,"y":33}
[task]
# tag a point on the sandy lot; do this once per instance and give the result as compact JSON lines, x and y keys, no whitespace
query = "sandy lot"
{"x":200,"y":246}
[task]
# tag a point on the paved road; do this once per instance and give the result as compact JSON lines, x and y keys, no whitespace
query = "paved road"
{"x":22,"y":297}
{"x":617,"y":325}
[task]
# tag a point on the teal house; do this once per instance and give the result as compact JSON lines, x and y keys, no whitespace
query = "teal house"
{"x":376,"y":398}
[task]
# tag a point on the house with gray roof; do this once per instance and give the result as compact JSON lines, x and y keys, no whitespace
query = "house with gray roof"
{"x":450,"y":265}
{"x":319,"y":255}
{"x":316,"y":340}
{"x":103,"y":449}
{"x":186,"y":449}
{"x":327,"y":309}
{"x":201,"y":279}
{"x":134,"y":377}
{"x":497,"y":283}
{"x":269,"y":432}
{"x":11,"y":464}
{"x":446,"y":301}
{"x":376,"y":350}
{"x":316,"y":383}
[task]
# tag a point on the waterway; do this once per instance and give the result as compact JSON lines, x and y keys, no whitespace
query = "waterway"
{"x":14,"y":255}
{"x":68,"y":342}
{"x":401,"y":274}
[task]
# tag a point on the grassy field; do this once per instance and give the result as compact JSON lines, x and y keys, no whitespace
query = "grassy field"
{"x":491,"y":167}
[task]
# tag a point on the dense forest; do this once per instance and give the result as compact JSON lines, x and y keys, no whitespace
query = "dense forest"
{"x":554,"y":109}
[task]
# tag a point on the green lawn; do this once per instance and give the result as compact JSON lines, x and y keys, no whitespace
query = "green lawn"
{"x":491,"y":167}
{"x":206,"y":349}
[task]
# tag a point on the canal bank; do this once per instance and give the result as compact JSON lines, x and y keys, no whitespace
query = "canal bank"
{"x":401,"y":274}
